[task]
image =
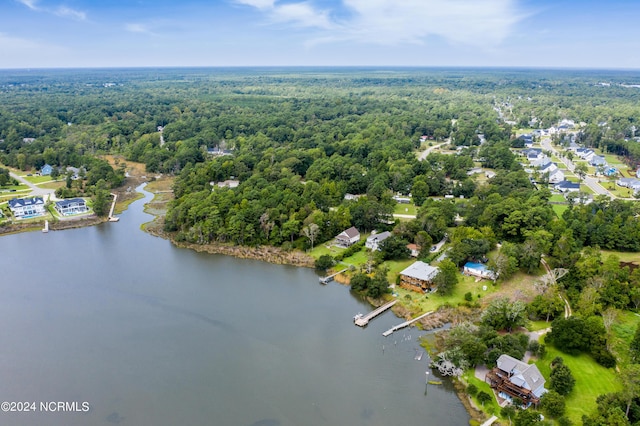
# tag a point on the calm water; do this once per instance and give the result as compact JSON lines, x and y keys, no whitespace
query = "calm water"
{"x":149,"y":334}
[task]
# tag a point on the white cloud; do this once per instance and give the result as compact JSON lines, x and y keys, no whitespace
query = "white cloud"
{"x":62,"y":11}
{"x":31,"y":4}
{"x":301,"y":14}
{"x":138,"y":28}
{"x":71,"y":13}
{"x":484,"y":23}
{"x":260,"y":4}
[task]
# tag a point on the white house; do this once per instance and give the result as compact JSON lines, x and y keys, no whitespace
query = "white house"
{"x":374,"y":240}
{"x":348,"y":237}
{"x":71,"y":206}
{"x":556,"y":176}
{"x":512,"y":378}
{"x":23,"y":208}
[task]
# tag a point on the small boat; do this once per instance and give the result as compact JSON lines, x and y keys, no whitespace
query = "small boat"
{"x":357,"y":317}
{"x":418,"y":356}
{"x":435,"y":382}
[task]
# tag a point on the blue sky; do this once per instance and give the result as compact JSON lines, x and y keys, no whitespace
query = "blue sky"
{"x":138,"y":33}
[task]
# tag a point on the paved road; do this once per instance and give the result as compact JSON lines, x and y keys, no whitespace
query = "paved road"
{"x":36,"y":191}
{"x":427,"y":151}
{"x":590,"y":181}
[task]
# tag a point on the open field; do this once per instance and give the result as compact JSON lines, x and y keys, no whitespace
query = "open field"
{"x":405,"y":209}
{"x":624,"y":256}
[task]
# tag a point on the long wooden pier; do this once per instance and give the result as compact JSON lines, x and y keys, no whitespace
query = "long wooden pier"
{"x":362,"y":320}
{"x":113,"y":218}
{"x":405,"y":324}
{"x":325,"y":280}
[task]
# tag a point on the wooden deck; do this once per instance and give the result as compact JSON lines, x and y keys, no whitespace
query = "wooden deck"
{"x":501,"y":383}
{"x":361,"y":321}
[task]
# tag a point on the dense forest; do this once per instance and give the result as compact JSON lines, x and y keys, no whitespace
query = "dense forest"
{"x":292,"y":157}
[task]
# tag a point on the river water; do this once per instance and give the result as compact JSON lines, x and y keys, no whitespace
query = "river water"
{"x":139,"y":332}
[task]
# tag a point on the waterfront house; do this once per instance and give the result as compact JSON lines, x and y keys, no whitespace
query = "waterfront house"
{"x":23,"y":208}
{"x":71,"y":206}
{"x":348,"y":237}
{"x":512,"y":378}
{"x":46,"y":170}
{"x":418,"y":276}
{"x":374,"y":240}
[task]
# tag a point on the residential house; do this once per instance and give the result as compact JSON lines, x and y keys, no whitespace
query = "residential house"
{"x":414,"y":250}
{"x":532,"y":153}
{"x":567,"y":186}
{"x":418,"y":276}
{"x":229,"y":183}
{"x":402,"y":200}
{"x":24,"y":208}
{"x":479,"y":270}
{"x":512,"y":378}
{"x":352,"y":197}
{"x":598,"y":161}
{"x":548,"y":167}
{"x":489,"y":174}
{"x":348,"y":237}
{"x":556,"y":176}
{"x":626,"y":182}
{"x":374,"y":240}
{"x":46,"y":170}
{"x":71,"y":206}
{"x":75,"y":172}
{"x":541,"y":162}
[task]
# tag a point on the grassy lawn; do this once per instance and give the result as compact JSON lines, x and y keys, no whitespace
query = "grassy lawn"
{"x":38,"y":179}
{"x":624,"y":256}
{"x":592,"y":380}
{"x":586,"y":189}
{"x":622,"y":333}
{"x":405,"y":209}
{"x":538,"y":325}
{"x":52,"y":184}
{"x":559,"y":209}
{"x":431,"y":302}
{"x":322,"y":249}
{"x":558,"y":198}
{"x":489,"y":407}
{"x":359,"y":258}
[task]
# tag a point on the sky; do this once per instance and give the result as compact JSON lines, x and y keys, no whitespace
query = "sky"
{"x":422,"y":33}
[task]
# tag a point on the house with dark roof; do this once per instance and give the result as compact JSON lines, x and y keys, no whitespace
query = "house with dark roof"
{"x":418,"y":276}
{"x":512,"y":378}
{"x":71,"y":206}
{"x":567,"y":186}
{"x":548,"y":167}
{"x":374,"y":240}
{"x":24,"y":208}
{"x":348,"y":237}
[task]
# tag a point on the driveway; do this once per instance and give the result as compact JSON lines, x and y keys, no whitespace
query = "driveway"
{"x":36,"y":191}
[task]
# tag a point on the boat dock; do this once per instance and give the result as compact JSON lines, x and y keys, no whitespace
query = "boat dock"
{"x":113,"y":218}
{"x":327,"y":279}
{"x":46,"y":226}
{"x":405,"y":324}
{"x":362,"y":320}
